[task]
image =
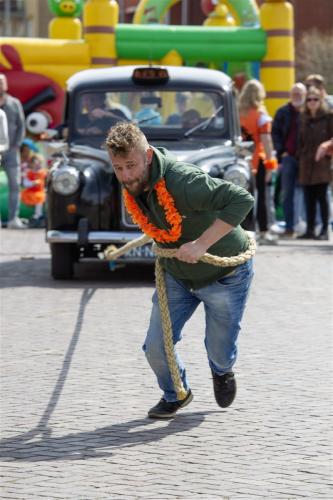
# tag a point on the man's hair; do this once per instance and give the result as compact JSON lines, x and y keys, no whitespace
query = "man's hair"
{"x":315,"y":80}
{"x":125,"y":137}
{"x":299,"y":86}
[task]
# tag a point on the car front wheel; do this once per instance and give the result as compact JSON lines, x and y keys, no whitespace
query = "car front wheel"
{"x":62,"y":260}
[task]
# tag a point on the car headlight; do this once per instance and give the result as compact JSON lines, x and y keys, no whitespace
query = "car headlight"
{"x":66,"y":181}
{"x":238,"y":174}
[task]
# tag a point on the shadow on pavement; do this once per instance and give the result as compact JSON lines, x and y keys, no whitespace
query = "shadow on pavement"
{"x":85,"y":445}
{"x":36,"y":272}
{"x":39,"y":445}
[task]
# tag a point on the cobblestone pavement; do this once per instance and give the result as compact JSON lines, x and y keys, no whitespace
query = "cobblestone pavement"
{"x":76,"y":387}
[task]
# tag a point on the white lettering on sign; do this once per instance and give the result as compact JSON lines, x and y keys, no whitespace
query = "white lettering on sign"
{"x":140,"y":253}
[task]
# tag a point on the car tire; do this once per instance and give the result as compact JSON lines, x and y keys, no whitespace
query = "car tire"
{"x":62,"y":261}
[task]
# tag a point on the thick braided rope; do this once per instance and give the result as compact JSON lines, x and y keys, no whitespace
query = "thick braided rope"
{"x":167,"y":331}
{"x":214,"y":260}
{"x":112,"y":253}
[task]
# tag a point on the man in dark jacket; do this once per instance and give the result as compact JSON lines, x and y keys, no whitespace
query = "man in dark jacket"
{"x":284,"y":135}
{"x":11,"y":158}
{"x":182,"y":207}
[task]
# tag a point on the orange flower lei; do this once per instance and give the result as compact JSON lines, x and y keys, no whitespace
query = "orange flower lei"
{"x":172,"y":216}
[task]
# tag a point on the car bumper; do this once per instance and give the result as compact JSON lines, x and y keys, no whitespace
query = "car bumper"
{"x":93,"y":237}
{"x":136,"y":255}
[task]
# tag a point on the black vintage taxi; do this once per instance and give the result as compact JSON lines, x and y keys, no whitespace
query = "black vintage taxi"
{"x":190,"y":111}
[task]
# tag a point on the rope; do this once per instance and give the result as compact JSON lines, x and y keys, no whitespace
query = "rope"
{"x":112,"y":253}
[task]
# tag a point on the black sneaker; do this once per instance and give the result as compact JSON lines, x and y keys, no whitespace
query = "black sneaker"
{"x":306,"y":236}
{"x":224,"y":388}
{"x":323,"y":235}
{"x":37,"y":222}
{"x":168,"y":409}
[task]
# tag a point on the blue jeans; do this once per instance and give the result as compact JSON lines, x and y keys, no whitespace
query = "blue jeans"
{"x":12,"y":167}
{"x":224,"y":302}
{"x":292,"y":197}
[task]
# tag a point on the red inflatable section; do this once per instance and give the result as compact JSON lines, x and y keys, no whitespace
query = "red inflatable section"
{"x":35,"y":91}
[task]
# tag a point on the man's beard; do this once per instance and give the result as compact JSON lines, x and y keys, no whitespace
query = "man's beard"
{"x":138,"y":185}
{"x":297,"y":103}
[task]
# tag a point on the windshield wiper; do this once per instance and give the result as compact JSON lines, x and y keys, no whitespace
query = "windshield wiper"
{"x":157,"y":115}
{"x":203,"y":125}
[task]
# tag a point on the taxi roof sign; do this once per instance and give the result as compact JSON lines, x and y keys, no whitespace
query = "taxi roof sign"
{"x":152,"y":75}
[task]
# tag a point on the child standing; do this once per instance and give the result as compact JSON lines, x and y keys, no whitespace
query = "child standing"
{"x":33,"y":193}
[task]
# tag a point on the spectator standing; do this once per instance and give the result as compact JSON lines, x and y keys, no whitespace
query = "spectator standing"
{"x":285,"y":135}
{"x":11,"y":158}
{"x":256,"y":127}
{"x":4,"y":141}
{"x":33,"y":193}
{"x":318,"y":81}
{"x":315,"y":174}
{"x":326,"y":149}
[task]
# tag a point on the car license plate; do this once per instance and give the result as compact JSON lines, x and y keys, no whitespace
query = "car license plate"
{"x":144,"y":252}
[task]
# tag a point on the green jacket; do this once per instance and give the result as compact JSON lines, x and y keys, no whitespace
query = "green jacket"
{"x":200,"y":199}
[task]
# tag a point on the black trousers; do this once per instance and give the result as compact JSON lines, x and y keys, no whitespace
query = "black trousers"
{"x":261,"y":208}
{"x":313,"y":195}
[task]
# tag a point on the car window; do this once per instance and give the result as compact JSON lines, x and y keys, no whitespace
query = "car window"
{"x":168,"y":111}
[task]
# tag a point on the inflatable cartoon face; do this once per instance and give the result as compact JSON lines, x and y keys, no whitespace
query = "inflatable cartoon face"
{"x":66,"y":8}
{"x":42,"y":98}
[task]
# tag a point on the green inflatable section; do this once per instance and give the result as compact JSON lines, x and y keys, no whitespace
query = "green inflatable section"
{"x":25,"y":211}
{"x":244,"y":11}
{"x":193,"y":43}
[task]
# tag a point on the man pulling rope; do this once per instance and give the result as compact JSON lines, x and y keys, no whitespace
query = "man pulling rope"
{"x":186,"y":212}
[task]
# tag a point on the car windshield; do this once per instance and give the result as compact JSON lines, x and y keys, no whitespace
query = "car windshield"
{"x":167,"y":114}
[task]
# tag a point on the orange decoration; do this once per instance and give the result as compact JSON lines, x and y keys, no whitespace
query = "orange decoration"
{"x":271,"y":164}
{"x":172,"y":215}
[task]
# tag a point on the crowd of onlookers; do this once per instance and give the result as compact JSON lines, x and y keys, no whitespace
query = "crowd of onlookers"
{"x":292,"y":161}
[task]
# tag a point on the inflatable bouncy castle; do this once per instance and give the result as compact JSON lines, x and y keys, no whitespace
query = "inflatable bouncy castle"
{"x":236,"y":37}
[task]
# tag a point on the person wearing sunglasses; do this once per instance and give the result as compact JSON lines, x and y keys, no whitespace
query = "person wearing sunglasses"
{"x":318,"y":81}
{"x":315,"y":174}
